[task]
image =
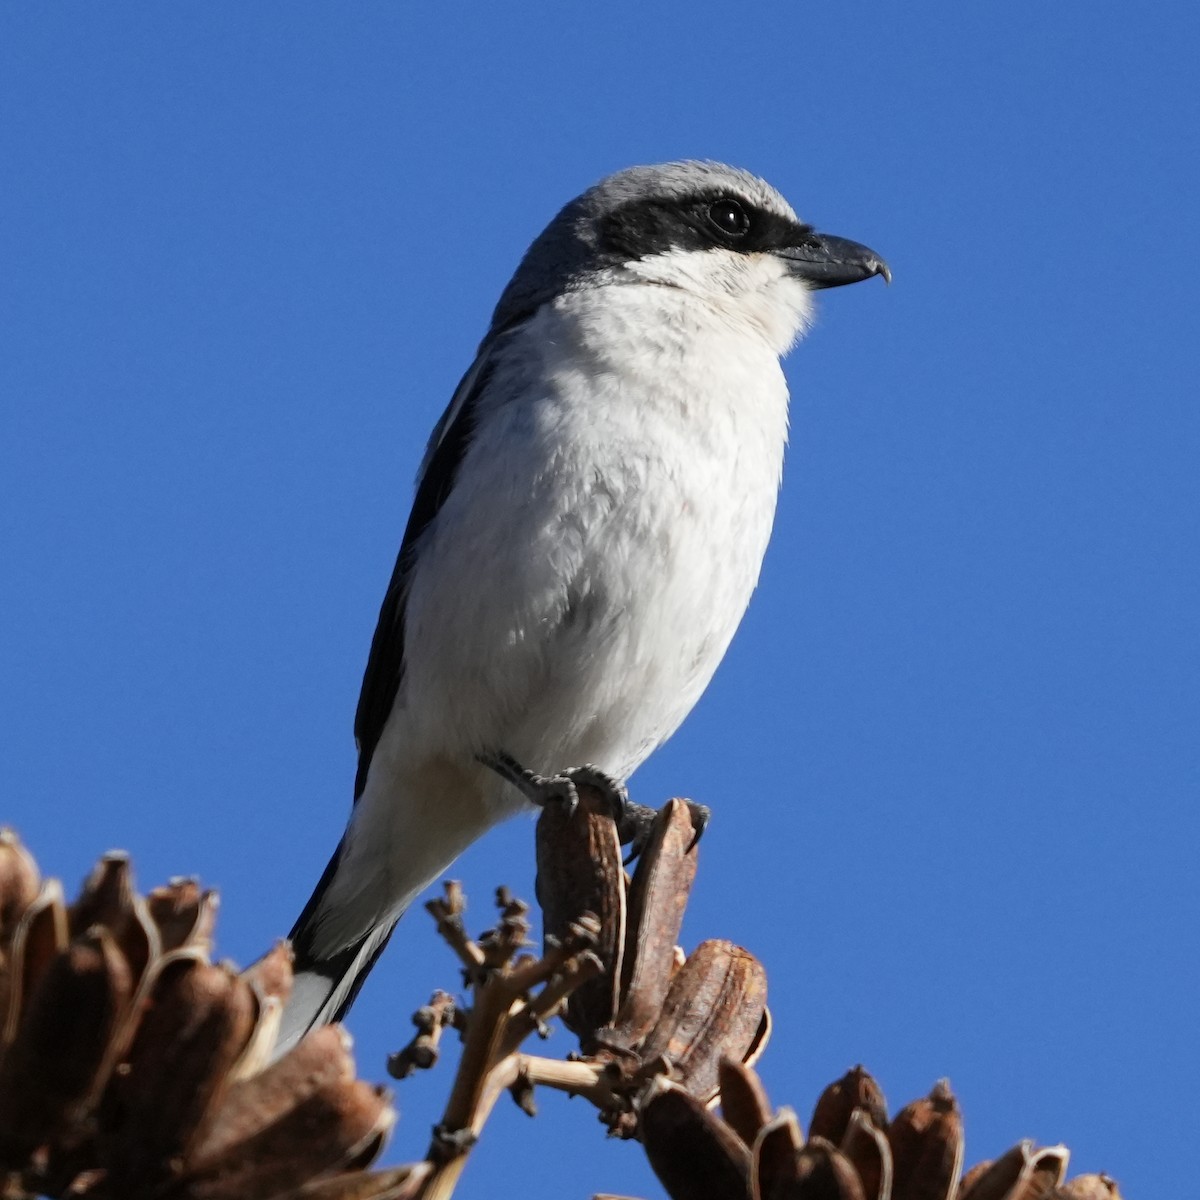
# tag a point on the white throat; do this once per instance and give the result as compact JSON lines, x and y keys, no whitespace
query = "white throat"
{"x":753,"y":291}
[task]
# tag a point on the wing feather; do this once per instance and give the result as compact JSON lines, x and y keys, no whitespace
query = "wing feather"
{"x":385,"y":664}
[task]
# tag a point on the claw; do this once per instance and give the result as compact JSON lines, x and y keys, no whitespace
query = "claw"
{"x":701,"y":814}
{"x":562,"y":791}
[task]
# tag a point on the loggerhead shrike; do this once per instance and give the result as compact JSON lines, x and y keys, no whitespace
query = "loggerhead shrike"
{"x":590,"y":520}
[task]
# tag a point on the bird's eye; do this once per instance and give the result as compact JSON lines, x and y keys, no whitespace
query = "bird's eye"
{"x":730,"y":217}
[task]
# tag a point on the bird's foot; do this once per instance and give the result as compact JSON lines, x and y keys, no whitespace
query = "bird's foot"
{"x":633,"y":820}
{"x":539,"y":790}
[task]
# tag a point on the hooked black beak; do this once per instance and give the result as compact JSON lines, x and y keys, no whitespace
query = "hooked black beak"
{"x":823,"y":261}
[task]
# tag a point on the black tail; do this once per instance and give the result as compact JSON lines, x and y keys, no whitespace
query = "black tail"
{"x":325,"y":986}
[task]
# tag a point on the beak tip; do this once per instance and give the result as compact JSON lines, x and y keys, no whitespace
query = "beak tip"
{"x":825,"y":261}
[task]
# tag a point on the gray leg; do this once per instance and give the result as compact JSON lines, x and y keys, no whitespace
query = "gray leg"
{"x":634,"y":821}
{"x":561,"y":788}
{"x":539,"y":790}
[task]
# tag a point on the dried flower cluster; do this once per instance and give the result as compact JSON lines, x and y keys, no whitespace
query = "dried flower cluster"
{"x":609,"y":966}
{"x":662,"y":1038}
{"x":852,"y":1152}
{"x":131,"y":1066}
{"x":648,"y":1013}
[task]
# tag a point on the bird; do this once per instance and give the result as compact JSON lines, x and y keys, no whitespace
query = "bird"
{"x":589,"y":522}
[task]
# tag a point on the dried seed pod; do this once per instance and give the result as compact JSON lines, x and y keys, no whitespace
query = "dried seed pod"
{"x":197,"y":1024}
{"x":1046,"y":1169}
{"x":341,"y":1125}
{"x":694,"y":1155}
{"x":775,"y":1156}
{"x":744,"y":1103}
{"x":139,"y":940}
{"x":758,"y":1043}
{"x":714,"y":1007}
{"x":271,"y":981}
{"x":106,"y":897}
{"x":183,"y":914}
{"x":657,"y":898}
{"x":60,"y":1044}
{"x":271,"y":975}
{"x":19,"y":883}
{"x":579,"y":871}
{"x":1023,"y":1173}
{"x":320,"y":1059}
{"x":927,"y":1146}
{"x":41,"y":934}
{"x":971,"y":1177}
{"x":257,"y":1054}
{"x":867,"y":1148}
{"x":823,"y":1173}
{"x":1088,"y":1187}
{"x":855,"y":1089}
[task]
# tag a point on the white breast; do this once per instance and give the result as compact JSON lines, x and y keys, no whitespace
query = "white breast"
{"x":584,"y":578}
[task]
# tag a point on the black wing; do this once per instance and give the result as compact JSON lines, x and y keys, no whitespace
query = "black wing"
{"x":385,"y":664}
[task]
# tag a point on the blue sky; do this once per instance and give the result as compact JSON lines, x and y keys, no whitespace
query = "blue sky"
{"x":248,"y":251}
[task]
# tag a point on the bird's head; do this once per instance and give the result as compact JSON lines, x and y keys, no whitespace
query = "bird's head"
{"x":714,"y":231}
